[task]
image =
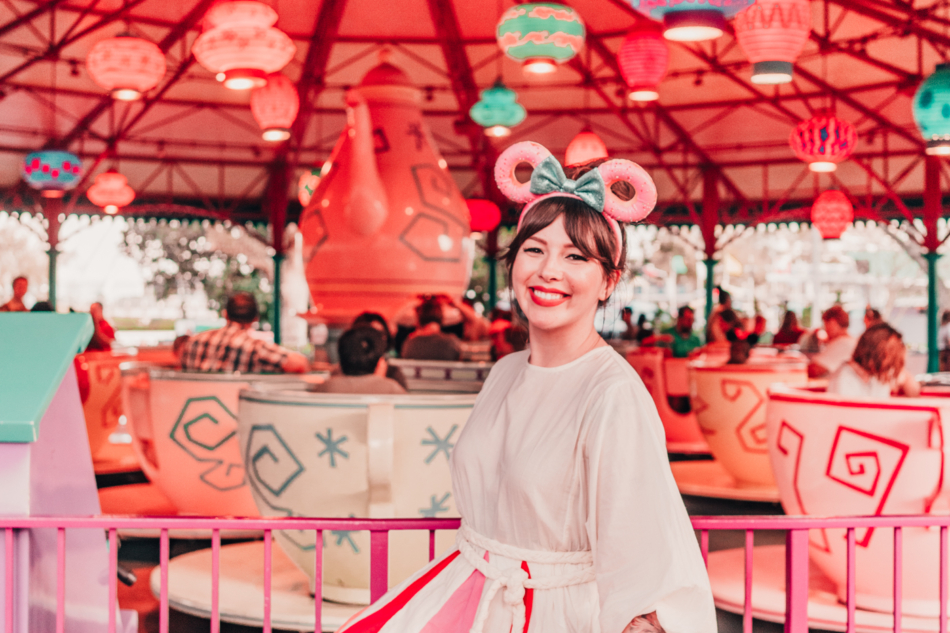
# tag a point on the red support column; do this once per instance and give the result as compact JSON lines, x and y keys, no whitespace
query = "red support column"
{"x":933,"y":206}
{"x":708,"y":221}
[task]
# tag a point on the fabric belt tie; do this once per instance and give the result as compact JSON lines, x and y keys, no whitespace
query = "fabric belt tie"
{"x":515,"y":580}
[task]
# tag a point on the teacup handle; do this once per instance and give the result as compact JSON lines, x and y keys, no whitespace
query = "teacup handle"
{"x":379,"y":459}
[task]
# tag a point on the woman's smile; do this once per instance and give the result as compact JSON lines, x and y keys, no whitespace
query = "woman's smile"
{"x":546,"y":297}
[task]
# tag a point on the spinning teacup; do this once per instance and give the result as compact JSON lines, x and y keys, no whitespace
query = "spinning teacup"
{"x":729,"y":403}
{"x":848,"y":457}
{"x":330,"y":455}
{"x":100,"y":381}
{"x":438,"y":376}
{"x":184,"y":432}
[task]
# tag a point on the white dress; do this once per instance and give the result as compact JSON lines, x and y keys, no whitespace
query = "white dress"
{"x":846,"y":382}
{"x":562,"y":460}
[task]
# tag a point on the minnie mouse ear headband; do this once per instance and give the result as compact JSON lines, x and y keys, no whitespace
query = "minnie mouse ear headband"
{"x":593,"y":188}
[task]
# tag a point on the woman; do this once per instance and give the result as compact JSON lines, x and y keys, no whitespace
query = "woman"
{"x":790,"y":332}
{"x":571,"y":518}
{"x":877,"y":367}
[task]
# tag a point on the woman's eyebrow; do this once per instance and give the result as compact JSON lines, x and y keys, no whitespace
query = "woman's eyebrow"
{"x":537,"y":239}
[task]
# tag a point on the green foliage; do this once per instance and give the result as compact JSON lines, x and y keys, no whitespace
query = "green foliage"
{"x":180,"y":258}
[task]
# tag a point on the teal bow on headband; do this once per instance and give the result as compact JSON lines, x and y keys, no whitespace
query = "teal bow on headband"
{"x":548,"y":177}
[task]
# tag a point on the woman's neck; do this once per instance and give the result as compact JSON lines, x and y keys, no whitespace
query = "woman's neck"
{"x":557,"y":347}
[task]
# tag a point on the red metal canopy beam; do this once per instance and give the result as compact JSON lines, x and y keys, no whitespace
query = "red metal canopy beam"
{"x":28,"y":17}
{"x":905,"y":15}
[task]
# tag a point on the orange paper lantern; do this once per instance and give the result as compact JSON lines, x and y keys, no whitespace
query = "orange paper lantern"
{"x":823,"y":141}
{"x":125,"y":65}
{"x":275,"y":107}
{"x":241,"y":42}
{"x":831,"y":214}
{"x":644,"y":58}
{"x":111,"y":191}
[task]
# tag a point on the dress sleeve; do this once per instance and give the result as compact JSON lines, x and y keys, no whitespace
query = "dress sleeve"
{"x":646,"y":555}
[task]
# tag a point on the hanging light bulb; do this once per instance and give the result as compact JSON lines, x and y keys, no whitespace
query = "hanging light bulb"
{"x":541,"y":35}
{"x":585,"y":147}
{"x":931,"y":108}
{"x":691,"y":20}
{"x":498,"y":110}
{"x":241,"y":42}
{"x":772,"y":34}
{"x":823,"y":141}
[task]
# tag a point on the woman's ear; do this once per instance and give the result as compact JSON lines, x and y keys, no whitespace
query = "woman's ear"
{"x":610,"y":283}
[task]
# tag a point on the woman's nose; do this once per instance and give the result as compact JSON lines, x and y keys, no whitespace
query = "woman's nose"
{"x":550,"y":269}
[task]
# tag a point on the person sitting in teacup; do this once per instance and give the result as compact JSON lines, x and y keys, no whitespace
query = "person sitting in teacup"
{"x":233,"y":349}
{"x":876,"y":368}
{"x":838,"y":347}
{"x":362,"y":363}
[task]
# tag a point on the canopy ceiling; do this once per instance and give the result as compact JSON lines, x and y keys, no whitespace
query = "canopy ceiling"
{"x":193,"y":144}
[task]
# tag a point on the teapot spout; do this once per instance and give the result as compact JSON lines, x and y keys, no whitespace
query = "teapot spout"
{"x":367,"y":207}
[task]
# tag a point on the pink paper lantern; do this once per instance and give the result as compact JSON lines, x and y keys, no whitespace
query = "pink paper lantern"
{"x":275,"y":107}
{"x":585,"y":147}
{"x":831,"y":214}
{"x":772,"y":34}
{"x":823,"y":141}
{"x":485,"y":215}
{"x":644,"y":58}
{"x":111,"y":191}
{"x":241,"y":42}
{"x":127,"y":66}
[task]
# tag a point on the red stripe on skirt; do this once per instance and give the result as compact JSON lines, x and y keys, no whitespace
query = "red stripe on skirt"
{"x":378,"y":619}
{"x":528,"y":598}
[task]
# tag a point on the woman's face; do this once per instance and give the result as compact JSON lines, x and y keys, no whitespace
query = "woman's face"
{"x":555,"y":284}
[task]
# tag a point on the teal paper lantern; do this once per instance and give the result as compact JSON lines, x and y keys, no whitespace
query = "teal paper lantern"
{"x":691,"y":20}
{"x":541,"y":35}
{"x":53,"y":172}
{"x":498,"y":110}
{"x":932,"y":111}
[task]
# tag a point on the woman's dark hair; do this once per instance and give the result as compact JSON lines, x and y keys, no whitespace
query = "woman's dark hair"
{"x":369,"y":318}
{"x":880,"y":352}
{"x":587,"y":228}
{"x":789,"y":322}
{"x":360,"y":350}
{"x":42,"y":306}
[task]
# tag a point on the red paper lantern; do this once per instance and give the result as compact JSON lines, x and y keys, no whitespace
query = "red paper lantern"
{"x":111,"y":191}
{"x":772,"y":34}
{"x":485,"y":215}
{"x":644,"y":58}
{"x":275,"y":107}
{"x":823,"y":141}
{"x":585,"y":147}
{"x":831,"y":214}
{"x":241,"y":42}
{"x":126,"y":65}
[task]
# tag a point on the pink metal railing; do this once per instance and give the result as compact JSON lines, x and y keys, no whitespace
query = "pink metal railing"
{"x":796,"y":567}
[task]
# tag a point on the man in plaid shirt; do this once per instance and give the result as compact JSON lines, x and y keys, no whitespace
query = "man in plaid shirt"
{"x":232,"y":348}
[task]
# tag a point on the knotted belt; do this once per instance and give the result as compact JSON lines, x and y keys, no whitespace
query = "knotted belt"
{"x":515,"y":580}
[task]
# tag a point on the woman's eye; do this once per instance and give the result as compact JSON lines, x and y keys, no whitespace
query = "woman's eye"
{"x":577,"y":258}
{"x":532,"y":249}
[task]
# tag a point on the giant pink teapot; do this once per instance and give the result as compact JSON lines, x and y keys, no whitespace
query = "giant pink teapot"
{"x":387,"y":222}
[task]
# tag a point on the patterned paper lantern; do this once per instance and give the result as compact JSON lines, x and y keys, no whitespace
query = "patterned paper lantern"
{"x":275,"y":107}
{"x":111,"y":191}
{"x":644,"y":58}
{"x":540,"y":35}
{"x":498,"y":110}
{"x":52,"y":172}
{"x":831,"y":214}
{"x":932,"y":111}
{"x":241,"y":42}
{"x":484,"y":215}
{"x":772,"y":34}
{"x":823,"y":141}
{"x":125,"y":65}
{"x":691,"y":20}
{"x":307,"y":185}
{"x":585,"y":147}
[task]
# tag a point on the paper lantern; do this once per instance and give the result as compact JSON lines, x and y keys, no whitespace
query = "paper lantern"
{"x":772,"y":34}
{"x":540,"y":35}
{"x":585,"y":147}
{"x":691,"y":20}
{"x":932,"y":111}
{"x":484,"y":215}
{"x":498,"y":110}
{"x":111,"y":191}
{"x":831,"y":214}
{"x":823,"y":141}
{"x":644,"y":58}
{"x":125,"y":65}
{"x":306,"y":185}
{"x":275,"y":107}
{"x":241,"y":43}
{"x":52,"y":172}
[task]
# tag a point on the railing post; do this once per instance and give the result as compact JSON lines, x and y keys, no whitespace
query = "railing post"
{"x":379,"y":564}
{"x":796,"y":581}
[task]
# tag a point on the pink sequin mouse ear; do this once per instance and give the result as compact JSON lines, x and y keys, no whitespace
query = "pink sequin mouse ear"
{"x":640,"y":205}
{"x":523,"y":152}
